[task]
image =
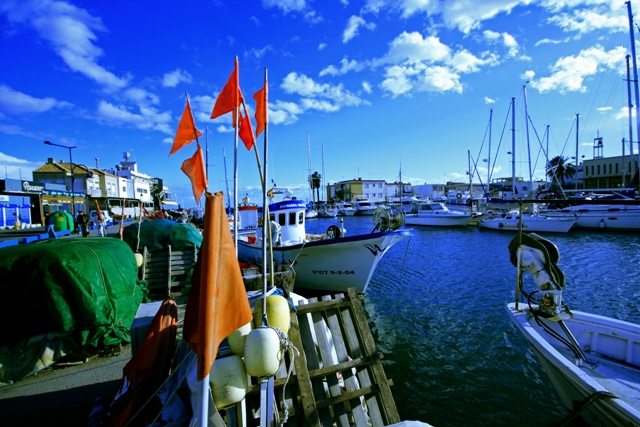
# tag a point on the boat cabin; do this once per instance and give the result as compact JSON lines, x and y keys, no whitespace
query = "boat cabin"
{"x":289,"y":215}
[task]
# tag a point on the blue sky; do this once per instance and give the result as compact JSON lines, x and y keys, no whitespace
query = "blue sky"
{"x":376,"y":84}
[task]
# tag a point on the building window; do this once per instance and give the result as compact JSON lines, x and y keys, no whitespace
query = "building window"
{"x":124,"y":189}
{"x":616,"y":168}
{"x":609,"y":168}
{"x":598,"y":169}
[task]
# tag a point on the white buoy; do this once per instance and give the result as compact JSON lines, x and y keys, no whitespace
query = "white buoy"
{"x":278,"y":313}
{"x":228,"y":381}
{"x":262,"y":355}
{"x":139,"y":259}
{"x":238,"y":338}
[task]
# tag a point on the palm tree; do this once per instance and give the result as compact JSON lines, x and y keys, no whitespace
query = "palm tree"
{"x":316,"y":181}
{"x":560,"y":168}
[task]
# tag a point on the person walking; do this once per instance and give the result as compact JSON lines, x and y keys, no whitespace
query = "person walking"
{"x":101,"y":225}
{"x":49,"y":222}
{"x":83,"y":221}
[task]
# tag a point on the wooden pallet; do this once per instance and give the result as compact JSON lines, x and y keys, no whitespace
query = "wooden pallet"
{"x":167,"y":271}
{"x":350,"y":391}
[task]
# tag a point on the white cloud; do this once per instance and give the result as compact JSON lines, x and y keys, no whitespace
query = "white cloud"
{"x":286,"y":5}
{"x":366,"y":86}
{"x":550,"y":41}
{"x":427,"y":64}
{"x":321,"y":46}
{"x":15,"y":168}
{"x":14,"y":102}
{"x":488,"y":100}
{"x":569,"y":72}
{"x":258,"y":53}
{"x":506,"y":39}
{"x":345,"y":67}
{"x":141,"y":96}
{"x":146,"y":119}
{"x":71,"y":33}
{"x":175,"y":77}
{"x":354,"y":23}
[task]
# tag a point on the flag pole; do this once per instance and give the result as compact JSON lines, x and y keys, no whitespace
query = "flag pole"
{"x":206,"y":169}
{"x":234,"y":121}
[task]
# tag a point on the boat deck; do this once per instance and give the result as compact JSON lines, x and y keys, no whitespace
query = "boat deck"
{"x":620,"y":379}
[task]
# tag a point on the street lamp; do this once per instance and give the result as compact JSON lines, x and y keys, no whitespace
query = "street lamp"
{"x":73,"y":200}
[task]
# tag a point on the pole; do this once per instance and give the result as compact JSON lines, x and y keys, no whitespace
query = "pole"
{"x":629,"y":108}
{"x":526,"y":119}
{"x":635,"y":80}
{"x":513,"y":146}
{"x":73,"y":184}
{"x":489,"y":151}
{"x":235,"y":164}
{"x":577,"y":128}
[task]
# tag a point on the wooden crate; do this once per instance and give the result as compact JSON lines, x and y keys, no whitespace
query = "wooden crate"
{"x":338,"y":378}
{"x":167,"y":271}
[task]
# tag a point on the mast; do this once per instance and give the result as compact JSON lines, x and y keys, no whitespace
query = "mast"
{"x":470,"y":181}
{"x":309,"y":166}
{"x":226,"y":177}
{"x":577,"y":128}
{"x":635,"y":80}
{"x":526,"y":119}
{"x":489,"y":153}
{"x":513,"y":146}
{"x":546,"y":176}
{"x":629,"y":108}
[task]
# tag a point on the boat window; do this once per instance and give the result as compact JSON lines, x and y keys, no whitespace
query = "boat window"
{"x":426,"y":207}
{"x":301,"y":218}
{"x":272,"y":217}
{"x":282,"y":219}
{"x":292,"y":218}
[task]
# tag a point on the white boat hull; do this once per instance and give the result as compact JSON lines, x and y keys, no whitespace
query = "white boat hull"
{"x":612,"y":348}
{"x":332,"y":265}
{"x":347,"y":212}
{"x":530,"y":223}
{"x":438,"y":220}
{"x":611,"y":217}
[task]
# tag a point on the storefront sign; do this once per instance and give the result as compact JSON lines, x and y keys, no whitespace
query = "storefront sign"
{"x":32,"y":187}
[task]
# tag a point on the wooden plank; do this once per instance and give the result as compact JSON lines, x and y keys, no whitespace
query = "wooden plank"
{"x":350,"y":381}
{"x":323,"y":305}
{"x":354,"y":349}
{"x":376,"y":365}
{"x":309,"y":410}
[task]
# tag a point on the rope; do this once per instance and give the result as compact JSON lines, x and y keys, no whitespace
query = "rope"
{"x":286,"y":345}
{"x":579,"y":406}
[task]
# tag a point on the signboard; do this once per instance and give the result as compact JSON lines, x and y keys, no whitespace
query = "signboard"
{"x":32,"y":187}
{"x":4,"y":198}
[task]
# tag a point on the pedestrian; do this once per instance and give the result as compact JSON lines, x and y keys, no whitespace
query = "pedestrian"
{"x":101,"y":224}
{"x":83,"y":221}
{"x":49,"y":222}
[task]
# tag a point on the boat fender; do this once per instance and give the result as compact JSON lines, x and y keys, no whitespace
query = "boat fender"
{"x":228,"y":381}
{"x":238,"y":338}
{"x":278,"y":314}
{"x":139,"y":259}
{"x":334,"y":232}
{"x":459,"y":196}
{"x":262,"y":353}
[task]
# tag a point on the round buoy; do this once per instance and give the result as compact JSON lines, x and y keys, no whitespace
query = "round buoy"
{"x":228,"y":381}
{"x":277,"y":313}
{"x":238,"y":338}
{"x":262,"y":355}
{"x":139,"y":259}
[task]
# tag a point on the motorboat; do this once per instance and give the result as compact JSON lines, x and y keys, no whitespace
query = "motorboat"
{"x":310,"y":213}
{"x":510,"y":221}
{"x":363,"y":206}
{"x":593,"y":361}
{"x":330,"y":262}
{"x":601,"y":216}
{"x":436,"y":215}
{"x":346,"y":209}
{"x":328,"y":211}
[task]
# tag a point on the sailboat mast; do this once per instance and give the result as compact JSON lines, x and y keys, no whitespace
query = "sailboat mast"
{"x":635,"y":80}
{"x":629,"y":108}
{"x":489,"y":153}
{"x":526,"y":119}
{"x":226,"y":177}
{"x":513,"y":146}
{"x":323,"y":182}
{"x":470,"y":181}
{"x":577,"y":129}
{"x":309,"y":165}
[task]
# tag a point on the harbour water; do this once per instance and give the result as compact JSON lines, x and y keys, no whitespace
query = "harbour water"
{"x":436,"y":307}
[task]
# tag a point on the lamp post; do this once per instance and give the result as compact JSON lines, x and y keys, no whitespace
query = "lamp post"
{"x":73,"y":200}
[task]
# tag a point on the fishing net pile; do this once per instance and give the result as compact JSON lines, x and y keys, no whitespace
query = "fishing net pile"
{"x":160,"y":233}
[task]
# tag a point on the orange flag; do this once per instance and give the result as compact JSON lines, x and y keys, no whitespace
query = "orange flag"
{"x":187,"y":131}
{"x":194,"y":168}
{"x":218,"y":303}
{"x":245,"y":131}
{"x":261,"y":115}
{"x":230,"y":96}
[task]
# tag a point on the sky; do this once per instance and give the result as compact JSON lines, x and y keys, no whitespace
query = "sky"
{"x":371,"y":89}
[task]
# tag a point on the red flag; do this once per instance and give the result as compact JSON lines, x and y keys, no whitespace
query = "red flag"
{"x":261,"y":115}
{"x":218,"y":303}
{"x":245,"y":131}
{"x":194,"y":169}
{"x":187,"y":131}
{"x":230,"y":96}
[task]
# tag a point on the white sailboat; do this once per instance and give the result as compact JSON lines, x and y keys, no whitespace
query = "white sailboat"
{"x":310,"y":212}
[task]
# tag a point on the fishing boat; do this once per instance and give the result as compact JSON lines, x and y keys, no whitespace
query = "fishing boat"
{"x":363,"y":206}
{"x":346,"y":209}
{"x":593,"y":361}
{"x":330,"y":262}
{"x":436,"y":214}
{"x":510,"y":221}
